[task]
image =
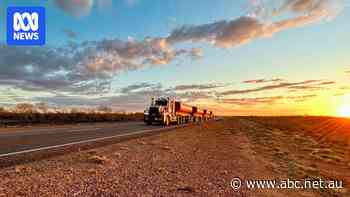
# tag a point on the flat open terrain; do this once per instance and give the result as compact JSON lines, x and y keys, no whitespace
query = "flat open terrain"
{"x":198,"y":160}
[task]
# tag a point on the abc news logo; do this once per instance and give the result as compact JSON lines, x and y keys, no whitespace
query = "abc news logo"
{"x":29,"y":29}
{"x":26,"y":26}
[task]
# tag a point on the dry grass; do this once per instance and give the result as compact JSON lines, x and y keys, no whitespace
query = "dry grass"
{"x":306,"y":147}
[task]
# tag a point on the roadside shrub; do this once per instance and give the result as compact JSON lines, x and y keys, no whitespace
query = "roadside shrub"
{"x":14,"y":118}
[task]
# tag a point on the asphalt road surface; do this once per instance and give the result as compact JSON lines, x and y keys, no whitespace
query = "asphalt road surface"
{"x":15,"y":140}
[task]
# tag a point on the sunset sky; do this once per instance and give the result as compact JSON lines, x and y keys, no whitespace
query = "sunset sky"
{"x":236,"y":57}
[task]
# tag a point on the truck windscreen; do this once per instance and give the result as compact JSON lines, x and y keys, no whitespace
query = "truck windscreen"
{"x":161,"y":102}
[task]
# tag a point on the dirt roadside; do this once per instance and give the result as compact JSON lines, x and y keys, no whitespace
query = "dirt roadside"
{"x":197,"y":160}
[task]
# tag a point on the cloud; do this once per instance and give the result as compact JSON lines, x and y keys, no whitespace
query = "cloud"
{"x":196,"y":53}
{"x":317,"y":86}
{"x":129,"y":98}
{"x":81,"y":68}
{"x":192,"y":96}
{"x":196,"y":87}
{"x":134,"y":54}
{"x":326,"y":83}
{"x":306,"y":6}
{"x":268,"y":87}
{"x":252,"y":101}
{"x":135,"y":96}
{"x":266,"y":100}
{"x":256,"y":81}
{"x":223,"y":33}
{"x":77,"y":8}
{"x":81,"y":8}
{"x":130,"y":101}
{"x":48,"y":69}
{"x":70,"y":33}
{"x":90,"y":66}
{"x":139,"y":86}
{"x":301,"y":98}
{"x":244,"y":29}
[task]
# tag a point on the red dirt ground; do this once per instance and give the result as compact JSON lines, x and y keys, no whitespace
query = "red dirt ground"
{"x":199,"y":160}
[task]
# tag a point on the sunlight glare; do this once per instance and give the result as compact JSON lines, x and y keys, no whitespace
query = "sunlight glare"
{"x":344,"y":111}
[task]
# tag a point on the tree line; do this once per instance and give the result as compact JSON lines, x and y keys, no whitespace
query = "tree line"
{"x":28,"y":113}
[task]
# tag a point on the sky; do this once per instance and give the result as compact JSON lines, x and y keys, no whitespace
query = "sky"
{"x":242,"y":57}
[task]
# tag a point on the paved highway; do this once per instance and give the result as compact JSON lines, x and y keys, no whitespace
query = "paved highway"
{"x":19,"y":140}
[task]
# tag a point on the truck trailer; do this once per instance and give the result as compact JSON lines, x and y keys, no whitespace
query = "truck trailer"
{"x":168,"y":111}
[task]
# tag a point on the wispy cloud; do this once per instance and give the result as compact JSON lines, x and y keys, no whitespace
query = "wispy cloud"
{"x":197,"y":87}
{"x":130,"y":98}
{"x":140,"y":86}
{"x":77,"y":8}
{"x":70,"y":33}
{"x":256,"y":81}
{"x":316,"y":86}
{"x":81,"y":8}
{"x":251,"y":101}
{"x":301,"y":98}
{"x":268,"y":87}
{"x":135,"y":96}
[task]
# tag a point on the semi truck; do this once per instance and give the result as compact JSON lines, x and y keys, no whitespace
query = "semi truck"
{"x":168,"y":111}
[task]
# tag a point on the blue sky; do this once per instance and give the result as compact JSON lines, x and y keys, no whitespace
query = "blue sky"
{"x":228,"y":54}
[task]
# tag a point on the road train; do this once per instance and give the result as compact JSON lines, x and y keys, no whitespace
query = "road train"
{"x":168,"y":111}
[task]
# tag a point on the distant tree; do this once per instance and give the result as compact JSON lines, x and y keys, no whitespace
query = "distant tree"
{"x":42,"y":107}
{"x":104,"y":109}
{"x":25,"y":108}
{"x":2,"y":109}
{"x":74,"y":110}
{"x":90,"y":110}
{"x":121,"y":111}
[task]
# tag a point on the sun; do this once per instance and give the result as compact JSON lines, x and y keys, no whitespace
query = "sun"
{"x":344,"y":111}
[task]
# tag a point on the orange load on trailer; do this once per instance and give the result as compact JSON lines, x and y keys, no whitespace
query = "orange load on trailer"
{"x":182,"y":108}
{"x":197,"y":112}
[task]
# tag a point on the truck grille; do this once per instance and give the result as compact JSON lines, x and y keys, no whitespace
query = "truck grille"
{"x":153,"y":111}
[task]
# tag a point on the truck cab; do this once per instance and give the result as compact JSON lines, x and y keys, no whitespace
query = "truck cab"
{"x":159,"y":111}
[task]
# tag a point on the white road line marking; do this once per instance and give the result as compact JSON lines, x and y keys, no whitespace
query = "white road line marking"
{"x":85,"y":141}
